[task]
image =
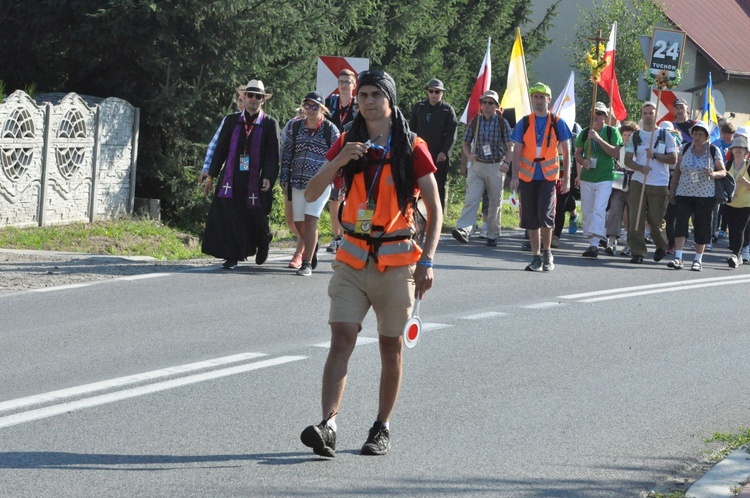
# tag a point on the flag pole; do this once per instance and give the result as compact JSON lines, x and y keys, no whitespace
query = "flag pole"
{"x":597,"y":41}
{"x":648,"y":159}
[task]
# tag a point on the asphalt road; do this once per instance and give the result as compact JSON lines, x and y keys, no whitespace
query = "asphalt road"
{"x":598,"y":379}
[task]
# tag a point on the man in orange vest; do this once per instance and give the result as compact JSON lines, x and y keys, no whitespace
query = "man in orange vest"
{"x":536,"y":166}
{"x":379,"y":264}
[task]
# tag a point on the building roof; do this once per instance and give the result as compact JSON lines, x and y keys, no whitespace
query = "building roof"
{"x":719,"y":28}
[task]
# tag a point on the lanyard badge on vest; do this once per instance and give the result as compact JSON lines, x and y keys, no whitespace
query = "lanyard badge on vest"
{"x":366,"y":210}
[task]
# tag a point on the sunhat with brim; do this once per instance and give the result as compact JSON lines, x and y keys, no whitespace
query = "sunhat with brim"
{"x":600,"y":107}
{"x":492,"y":95}
{"x":254,"y":86}
{"x":739,"y":141}
{"x":540,"y":87}
{"x":700,"y":124}
{"x":436,"y":84}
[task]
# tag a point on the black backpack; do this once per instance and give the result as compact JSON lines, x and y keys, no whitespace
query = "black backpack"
{"x":526,"y":124}
{"x":609,"y":133}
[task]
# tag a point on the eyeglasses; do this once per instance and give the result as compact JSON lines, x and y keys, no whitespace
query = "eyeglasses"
{"x":258,"y":96}
{"x":438,"y":92}
{"x":346,"y":82}
{"x":488,"y":102}
{"x":311,"y":107}
{"x":600,"y":113}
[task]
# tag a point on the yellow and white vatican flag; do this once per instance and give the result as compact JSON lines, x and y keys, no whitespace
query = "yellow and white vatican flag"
{"x":516,"y":94}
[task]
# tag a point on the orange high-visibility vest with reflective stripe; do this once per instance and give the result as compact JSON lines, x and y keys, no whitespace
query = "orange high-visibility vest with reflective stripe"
{"x":548,"y":158}
{"x":390,"y":237}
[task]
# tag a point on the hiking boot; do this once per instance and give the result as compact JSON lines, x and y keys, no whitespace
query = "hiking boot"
{"x":548,"y":261}
{"x":296,"y":261}
{"x":491,"y":242}
{"x":460,"y":235}
{"x":676,"y":264}
{"x":536,"y":264}
{"x":555,"y":242}
{"x":262,"y":255}
{"x":591,"y":252}
{"x":659,"y":254}
{"x":305,"y":270}
{"x":229,"y":264}
{"x":378,"y":441}
{"x":321,"y":438}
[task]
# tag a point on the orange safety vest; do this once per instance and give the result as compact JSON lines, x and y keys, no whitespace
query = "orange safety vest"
{"x":548,"y":158}
{"x":390,"y":238}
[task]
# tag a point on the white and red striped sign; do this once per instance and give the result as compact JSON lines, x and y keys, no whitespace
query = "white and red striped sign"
{"x":329,"y":68}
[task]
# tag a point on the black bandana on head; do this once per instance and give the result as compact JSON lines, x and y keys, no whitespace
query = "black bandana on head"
{"x":402,"y":141}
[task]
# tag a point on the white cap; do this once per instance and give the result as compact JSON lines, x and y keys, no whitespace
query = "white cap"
{"x":742,"y":130}
{"x":667,"y":125}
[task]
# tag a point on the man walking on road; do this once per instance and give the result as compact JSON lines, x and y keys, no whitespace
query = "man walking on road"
{"x":435,"y":122}
{"x":536,"y":170}
{"x":379,"y":264}
{"x":489,"y":158}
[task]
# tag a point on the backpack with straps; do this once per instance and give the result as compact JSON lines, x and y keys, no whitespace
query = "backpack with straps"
{"x":526,"y":123}
{"x":636,"y":139}
{"x":725,"y":186}
{"x":609,"y":133}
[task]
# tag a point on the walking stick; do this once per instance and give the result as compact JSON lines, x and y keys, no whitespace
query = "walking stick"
{"x":648,"y":161}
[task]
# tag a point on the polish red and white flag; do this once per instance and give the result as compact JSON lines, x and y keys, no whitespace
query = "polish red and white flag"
{"x":482,"y":85}
{"x":608,"y":80}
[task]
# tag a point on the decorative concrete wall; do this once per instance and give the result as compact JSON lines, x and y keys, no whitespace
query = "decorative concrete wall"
{"x":66,"y":158}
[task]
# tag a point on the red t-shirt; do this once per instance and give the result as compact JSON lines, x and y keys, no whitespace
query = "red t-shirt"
{"x":421,"y":159}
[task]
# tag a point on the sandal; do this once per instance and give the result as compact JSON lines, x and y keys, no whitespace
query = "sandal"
{"x":696,"y":266}
{"x":296,"y":262}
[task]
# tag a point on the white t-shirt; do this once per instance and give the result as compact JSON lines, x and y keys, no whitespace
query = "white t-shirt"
{"x":659,"y":175}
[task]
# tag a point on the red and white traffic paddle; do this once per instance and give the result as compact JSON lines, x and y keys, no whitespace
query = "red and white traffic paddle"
{"x":413,"y":328}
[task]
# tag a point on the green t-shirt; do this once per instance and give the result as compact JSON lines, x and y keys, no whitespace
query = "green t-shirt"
{"x":605,"y":164}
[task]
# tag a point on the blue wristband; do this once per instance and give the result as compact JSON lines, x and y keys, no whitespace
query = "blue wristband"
{"x":428,"y":264}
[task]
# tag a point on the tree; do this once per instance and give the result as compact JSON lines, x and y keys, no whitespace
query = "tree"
{"x":634,"y":18}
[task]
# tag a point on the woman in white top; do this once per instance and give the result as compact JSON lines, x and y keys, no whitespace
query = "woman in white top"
{"x":692,"y":190}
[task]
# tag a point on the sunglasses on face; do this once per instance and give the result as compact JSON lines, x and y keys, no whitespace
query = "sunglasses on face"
{"x":257,"y":96}
{"x":600,"y":113}
{"x":311,"y":107}
{"x":488,"y":102}
{"x":437,"y":92}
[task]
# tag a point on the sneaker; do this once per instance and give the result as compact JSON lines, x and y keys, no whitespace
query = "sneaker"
{"x":636,"y":260}
{"x":548,"y":263}
{"x":670,"y":249}
{"x":460,"y":235}
{"x":262,"y":255}
{"x":321,"y":438}
{"x":483,"y":233}
{"x":492,"y":242}
{"x":697,"y":266}
{"x":676,"y":264}
{"x":378,"y":441}
{"x":305,"y":270}
{"x":722,"y":234}
{"x":334,"y":245}
{"x":555,"y":242}
{"x":296,"y":261}
{"x":625,"y":251}
{"x":733,"y":261}
{"x":745,"y":256}
{"x":573,"y":227}
{"x":659,"y":254}
{"x":536,"y":264}
{"x":603,"y":243}
{"x":314,"y":262}
{"x":610,"y":250}
{"x":709,"y":248}
{"x":591,"y":252}
{"x":229,"y":264}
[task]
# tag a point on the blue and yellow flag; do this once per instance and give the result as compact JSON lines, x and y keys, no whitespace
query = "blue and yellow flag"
{"x":708,"y":114}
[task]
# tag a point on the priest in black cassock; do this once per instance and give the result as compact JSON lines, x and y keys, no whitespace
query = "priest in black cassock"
{"x":246,"y":166}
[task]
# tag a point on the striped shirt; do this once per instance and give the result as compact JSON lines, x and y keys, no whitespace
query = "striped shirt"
{"x":305,"y":155}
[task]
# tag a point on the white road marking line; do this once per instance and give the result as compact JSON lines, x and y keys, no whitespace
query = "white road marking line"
{"x":60,"y":394}
{"x":145,"y":275}
{"x":482,"y":316}
{"x":653,"y":286}
{"x":657,"y":291}
{"x":360,"y":342}
{"x":62,"y":287}
{"x":543,"y":306}
{"x":31,"y":415}
{"x":428,"y":327}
